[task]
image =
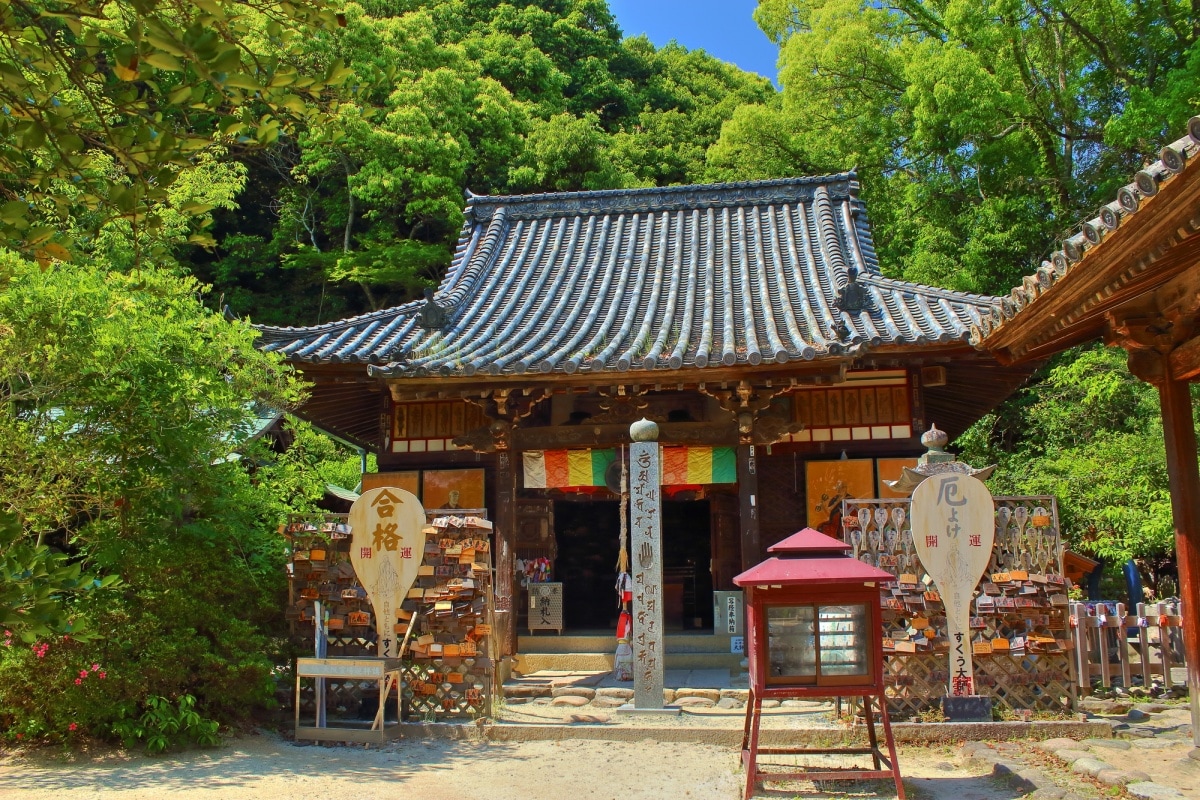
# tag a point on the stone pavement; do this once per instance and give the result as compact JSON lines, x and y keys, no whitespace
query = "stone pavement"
{"x":1152,"y":756}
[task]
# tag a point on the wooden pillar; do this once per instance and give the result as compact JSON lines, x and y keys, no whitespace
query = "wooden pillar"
{"x":506,"y":528}
{"x":747,"y":476}
{"x":1183,"y":473}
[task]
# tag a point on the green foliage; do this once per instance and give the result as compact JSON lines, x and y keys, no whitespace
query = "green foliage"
{"x":1089,"y":433}
{"x":140,"y":88}
{"x":165,"y":725}
{"x":37,"y":586}
{"x":124,"y":398}
{"x":982,"y":131}
{"x":450,"y":95}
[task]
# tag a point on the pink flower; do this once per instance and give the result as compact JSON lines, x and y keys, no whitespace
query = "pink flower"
{"x":102,"y":674}
{"x":83,"y":673}
{"x":72,"y":726}
{"x":78,"y":681}
{"x":95,"y":667}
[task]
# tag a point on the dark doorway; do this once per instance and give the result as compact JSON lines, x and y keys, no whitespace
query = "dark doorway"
{"x":588,"y":534}
{"x":687,"y":554}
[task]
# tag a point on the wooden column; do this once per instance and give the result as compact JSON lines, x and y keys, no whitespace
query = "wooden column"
{"x":747,"y":476}
{"x":1183,"y":473}
{"x":506,"y":528}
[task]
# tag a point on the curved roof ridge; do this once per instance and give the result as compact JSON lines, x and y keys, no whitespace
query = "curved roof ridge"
{"x":272,"y":333}
{"x":663,"y":198}
{"x":930,"y":291}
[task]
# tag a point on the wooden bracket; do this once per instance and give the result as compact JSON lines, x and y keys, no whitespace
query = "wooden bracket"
{"x":750,"y":406}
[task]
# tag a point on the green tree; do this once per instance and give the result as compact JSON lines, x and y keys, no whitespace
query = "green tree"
{"x":983,"y":131}
{"x":139,"y":89}
{"x":458,"y":95}
{"x":1089,"y":433}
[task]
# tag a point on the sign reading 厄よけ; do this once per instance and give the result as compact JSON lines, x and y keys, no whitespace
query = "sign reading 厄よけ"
{"x":388,"y":542}
{"x":953,"y":527}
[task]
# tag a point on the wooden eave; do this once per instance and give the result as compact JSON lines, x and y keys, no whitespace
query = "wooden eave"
{"x":1149,"y":249}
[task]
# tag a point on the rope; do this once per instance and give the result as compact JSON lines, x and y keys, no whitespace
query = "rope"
{"x":623,"y":553}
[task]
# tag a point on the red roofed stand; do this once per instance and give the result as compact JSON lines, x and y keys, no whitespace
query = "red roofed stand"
{"x":814,"y":630}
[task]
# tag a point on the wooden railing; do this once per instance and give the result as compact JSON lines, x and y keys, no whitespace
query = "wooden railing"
{"x":1106,"y":647}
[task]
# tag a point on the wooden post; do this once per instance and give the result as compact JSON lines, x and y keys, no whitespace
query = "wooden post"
{"x":747,"y":476}
{"x":506,"y":527}
{"x":1183,"y":473}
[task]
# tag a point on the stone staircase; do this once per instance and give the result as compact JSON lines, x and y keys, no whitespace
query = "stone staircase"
{"x":594,"y":652}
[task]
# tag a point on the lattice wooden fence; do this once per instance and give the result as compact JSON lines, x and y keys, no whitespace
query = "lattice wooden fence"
{"x":1020,"y":626}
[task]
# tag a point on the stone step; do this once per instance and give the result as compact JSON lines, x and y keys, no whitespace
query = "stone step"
{"x":599,"y":643}
{"x":536,"y":662}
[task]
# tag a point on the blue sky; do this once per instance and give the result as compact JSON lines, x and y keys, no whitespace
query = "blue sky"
{"x":724,"y":28}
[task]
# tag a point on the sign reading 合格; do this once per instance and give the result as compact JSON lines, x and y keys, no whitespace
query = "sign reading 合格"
{"x":953,"y":527}
{"x":387,"y":544}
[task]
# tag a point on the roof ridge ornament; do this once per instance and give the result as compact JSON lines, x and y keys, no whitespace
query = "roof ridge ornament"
{"x":935,"y":462}
{"x":432,"y":316}
{"x":854,"y":297}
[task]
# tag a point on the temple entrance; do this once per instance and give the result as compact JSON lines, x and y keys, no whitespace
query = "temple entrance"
{"x":588,"y":535}
{"x":687,"y":555}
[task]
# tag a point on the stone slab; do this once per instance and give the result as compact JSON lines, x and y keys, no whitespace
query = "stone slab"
{"x":1090,"y":766}
{"x":1073,"y":755}
{"x":1145,"y":790}
{"x":1153,"y":744}
{"x":1051,"y":745}
{"x":1110,"y":744}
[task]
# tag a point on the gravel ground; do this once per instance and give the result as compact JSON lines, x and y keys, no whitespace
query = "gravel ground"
{"x":271,"y":767}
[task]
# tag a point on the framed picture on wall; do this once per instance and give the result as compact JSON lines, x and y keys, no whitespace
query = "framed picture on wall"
{"x":889,"y":469}
{"x":452,"y":488}
{"x":409,"y":481}
{"x":828,"y":483}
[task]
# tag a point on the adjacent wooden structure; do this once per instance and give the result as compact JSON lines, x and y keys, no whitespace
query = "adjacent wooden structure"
{"x":1131,"y":277}
{"x":814,"y":630}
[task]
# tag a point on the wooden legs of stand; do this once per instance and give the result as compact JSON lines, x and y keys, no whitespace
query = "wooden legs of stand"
{"x":751,"y":751}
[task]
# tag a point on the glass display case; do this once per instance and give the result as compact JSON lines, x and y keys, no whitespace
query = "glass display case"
{"x":821,"y":645}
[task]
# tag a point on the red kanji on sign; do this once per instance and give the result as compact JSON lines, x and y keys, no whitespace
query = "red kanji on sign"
{"x":931,"y":541}
{"x":975,"y":540}
{"x":961,"y":685}
{"x":406,"y":552}
{"x":364,"y":552}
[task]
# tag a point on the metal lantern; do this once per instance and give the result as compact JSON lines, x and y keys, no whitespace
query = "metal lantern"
{"x":815,"y":630}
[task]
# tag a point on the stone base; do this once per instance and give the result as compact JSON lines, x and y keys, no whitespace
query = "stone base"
{"x":665,"y":711}
{"x":967,"y":708}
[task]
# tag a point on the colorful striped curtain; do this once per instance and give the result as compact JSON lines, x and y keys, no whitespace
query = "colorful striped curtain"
{"x":557,"y":469}
{"x":561,"y":469}
{"x":698,"y":465}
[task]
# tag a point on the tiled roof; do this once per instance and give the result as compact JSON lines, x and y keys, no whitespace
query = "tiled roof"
{"x":1131,"y":199}
{"x":644,"y":279}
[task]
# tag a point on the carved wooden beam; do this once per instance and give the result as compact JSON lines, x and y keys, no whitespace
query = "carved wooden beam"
{"x":758,"y":422}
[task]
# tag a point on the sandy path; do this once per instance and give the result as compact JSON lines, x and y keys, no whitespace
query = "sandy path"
{"x":272,"y":768}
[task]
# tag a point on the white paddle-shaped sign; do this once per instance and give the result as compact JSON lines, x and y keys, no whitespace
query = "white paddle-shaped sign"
{"x":953,"y":527}
{"x":388,"y":544}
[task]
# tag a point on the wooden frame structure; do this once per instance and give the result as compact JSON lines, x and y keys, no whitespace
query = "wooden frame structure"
{"x":1131,"y":277}
{"x":385,"y":672}
{"x":812,"y":570}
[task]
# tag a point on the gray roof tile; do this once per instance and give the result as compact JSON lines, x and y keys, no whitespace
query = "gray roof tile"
{"x":645,"y":279}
